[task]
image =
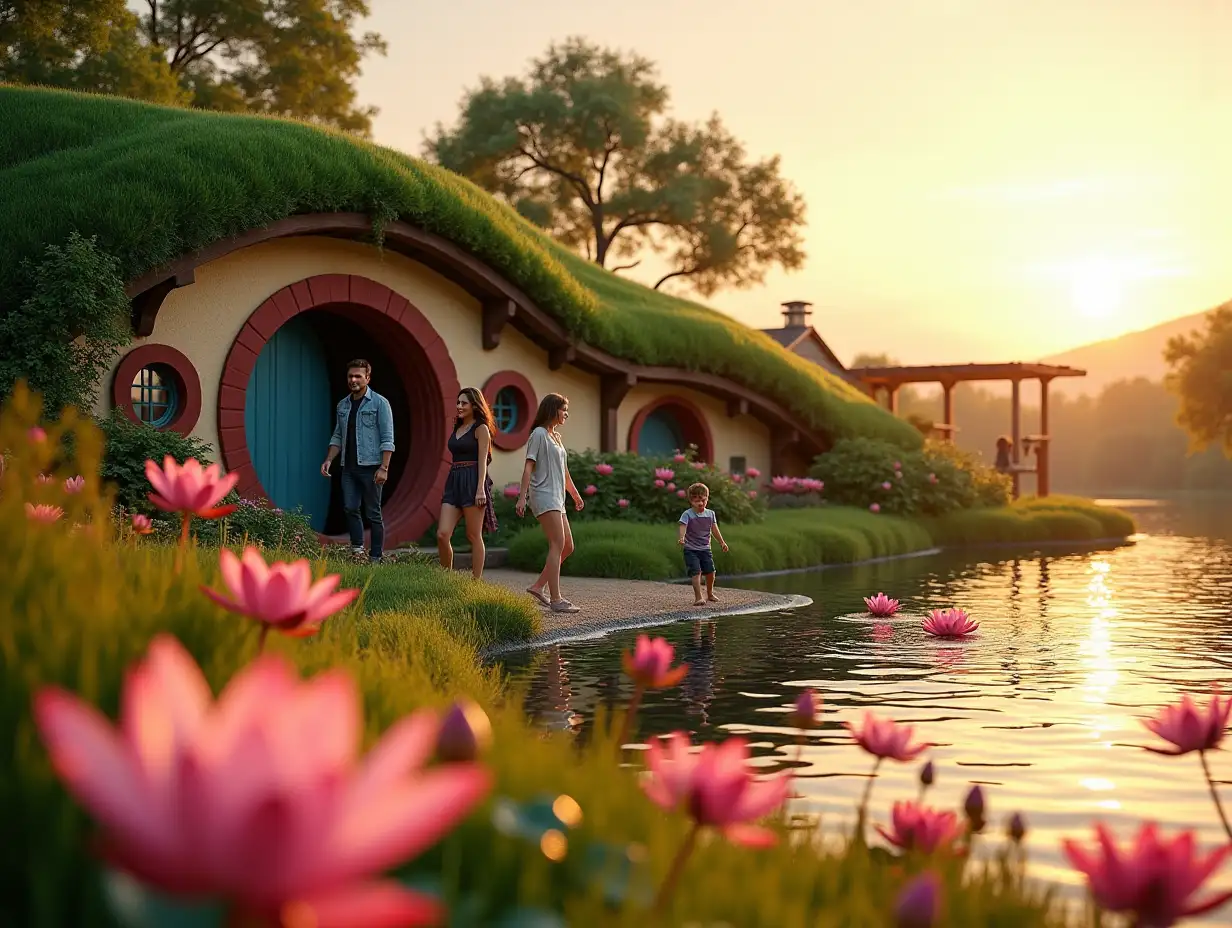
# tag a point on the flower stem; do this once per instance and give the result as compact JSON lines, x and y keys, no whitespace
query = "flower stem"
{"x":626,"y":727}
{"x":799,"y":748}
{"x":185,"y":522}
{"x":261,"y":638}
{"x":868,"y":791}
{"x":668,"y":889}
{"x":1210,"y":781}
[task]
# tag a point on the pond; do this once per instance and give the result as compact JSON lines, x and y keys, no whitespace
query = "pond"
{"x":1043,"y":707}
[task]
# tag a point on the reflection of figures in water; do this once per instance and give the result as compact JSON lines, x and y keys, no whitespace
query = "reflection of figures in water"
{"x":698,"y":683}
{"x":548,"y":693}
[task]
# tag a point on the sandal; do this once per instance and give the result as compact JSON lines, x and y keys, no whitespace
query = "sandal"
{"x":563,"y":605}
{"x":538,"y":594}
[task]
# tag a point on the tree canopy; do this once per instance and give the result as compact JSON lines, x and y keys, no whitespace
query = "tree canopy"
{"x":295,"y":58}
{"x":1201,"y":377}
{"x":582,"y":146}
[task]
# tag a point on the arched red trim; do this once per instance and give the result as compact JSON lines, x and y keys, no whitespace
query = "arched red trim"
{"x":417,"y":348}
{"x":527,"y":404}
{"x":690,"y":417}
{"x":188,"y":384}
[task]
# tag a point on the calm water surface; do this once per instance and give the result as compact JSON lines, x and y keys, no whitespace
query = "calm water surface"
{"x":1044,"y":707}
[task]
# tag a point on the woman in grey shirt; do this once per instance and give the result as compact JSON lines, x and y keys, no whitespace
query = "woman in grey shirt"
{"x":545,"y":479}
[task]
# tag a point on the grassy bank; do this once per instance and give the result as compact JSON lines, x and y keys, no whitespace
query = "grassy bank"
{"x":156,"y":183}
{"x":77,"y":609}
{"x":795,"y":538}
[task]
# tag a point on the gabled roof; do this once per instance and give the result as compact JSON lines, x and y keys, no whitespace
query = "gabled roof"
{"x":791,"y":336}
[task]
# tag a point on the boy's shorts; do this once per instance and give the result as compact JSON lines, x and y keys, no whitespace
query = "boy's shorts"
{"x":698,"y":561}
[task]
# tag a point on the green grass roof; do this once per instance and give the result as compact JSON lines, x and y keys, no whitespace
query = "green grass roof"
{"x":155,"y":183}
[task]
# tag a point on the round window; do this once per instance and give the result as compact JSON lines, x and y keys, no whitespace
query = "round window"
{"x":505,"y":410}
{"x":155,"y":395}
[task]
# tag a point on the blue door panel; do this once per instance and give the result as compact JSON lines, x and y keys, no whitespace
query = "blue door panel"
{"x":660,"y":435}
{"x":288,"y":418}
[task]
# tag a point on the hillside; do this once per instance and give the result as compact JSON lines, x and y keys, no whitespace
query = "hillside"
{"x":1135,"y":354}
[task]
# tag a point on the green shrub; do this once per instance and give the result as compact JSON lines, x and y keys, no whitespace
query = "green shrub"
{"x":627,"y":560}
{"x":1030,"y":521}
{"x":129,"y":444}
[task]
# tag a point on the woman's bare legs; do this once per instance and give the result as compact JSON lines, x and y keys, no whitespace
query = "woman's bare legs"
{"x":444,"y":532}
{"x":552,"y":528}
{"x":567,"y":547}
{"x":474,"y":534}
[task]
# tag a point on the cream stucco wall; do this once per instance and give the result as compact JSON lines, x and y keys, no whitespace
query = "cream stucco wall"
{"x":742,"y":436}
{"x":202,"y":320}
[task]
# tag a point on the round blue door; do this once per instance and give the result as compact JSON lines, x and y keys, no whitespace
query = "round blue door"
{"x":288,"y":419}
{"x":660,"y":434}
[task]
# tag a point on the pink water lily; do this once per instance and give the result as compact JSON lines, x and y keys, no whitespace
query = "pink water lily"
{"x":881,"y":605}
{"x":258,"y":799}
{"x":190,"y":488}
{"x":664,"y":473}
{"x":142,"y":525}
{"x":1155,"y":880}
{"x":1187,"y":727}
{"x":679,"y":458}
{"x":950,"y":623}
{"x":43,"y":513}
{"x":280,"y":595}
{"x":659,"y":483}
{"x":716,"y":786}
{"x":810,"y":485}
{"x":916,"y":827}
{"x":650,"y":663}
{"x":74,"y":484}
{"x":603,"y":470}
{"x":886,"y":739}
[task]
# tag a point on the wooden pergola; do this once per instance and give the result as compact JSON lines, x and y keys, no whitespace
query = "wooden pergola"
{"x":890,"y":379}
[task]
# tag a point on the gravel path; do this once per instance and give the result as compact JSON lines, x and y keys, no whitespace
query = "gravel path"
{"x":608,"y":605}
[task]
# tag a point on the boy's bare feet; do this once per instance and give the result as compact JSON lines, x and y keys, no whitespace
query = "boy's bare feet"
{"x":700,"y":602}
{"x":710,"y":597}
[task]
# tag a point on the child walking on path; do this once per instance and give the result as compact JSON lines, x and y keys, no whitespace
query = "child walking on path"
{"x":697,"y":525}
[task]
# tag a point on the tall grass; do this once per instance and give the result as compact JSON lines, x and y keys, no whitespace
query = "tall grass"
{"x":154,"y":183}
{"x":77,"y":606}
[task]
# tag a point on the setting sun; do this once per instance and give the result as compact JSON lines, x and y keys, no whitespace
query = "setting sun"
{"x":1097,"y":287}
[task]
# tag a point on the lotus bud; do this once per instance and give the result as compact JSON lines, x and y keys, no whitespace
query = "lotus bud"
{"x":973,"y":806}
{"x":928,"y":774}
{"x":1017,"y":828}
{"x":918,"y":902}
{"x":807,"y":708}
{"x":465,"y":733}
{"x":36,"y":435}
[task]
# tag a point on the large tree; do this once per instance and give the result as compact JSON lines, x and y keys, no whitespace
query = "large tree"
{"x":582,"y":146}
{"x":296,"y":58}
{"x":1201,"y":377}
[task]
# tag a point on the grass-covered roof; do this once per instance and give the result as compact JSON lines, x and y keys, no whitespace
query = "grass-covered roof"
{"x":156,"y":183}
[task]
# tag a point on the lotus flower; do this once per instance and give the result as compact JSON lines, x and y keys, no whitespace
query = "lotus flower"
{"x":142,"y":525}
{"x":512,"y":490}
{"x":752,"y":494}
{"x":602,"y":469}
{"x":1017,"y":828}
{"x":932,"y":478}
{"x":916,"y":827}
{"x":660,"y":484}
{"x":679,"y":458}
{"x":885,"y":738}
{"x":281,"y":595}
{"x":36,"y":435}
{"x":622,"y":503}
{"x":664,"y":473}
{"x":973,"y":807}
{"x":950,"y":623}
{"x":782,"y":484}
{"x":681,"y":493}
{"x":74,"y":484}
{"x":698,"y":465}
{"x":805,"y":711}
{"x":43,"y":513}
{"x":919,"y":902}
{"x":258,"y":799}
{"x":881,"y":605}
{"x":649,"y":663}
{"x":874,"y":507}
{"x":752,"y":473}
{"x":1189,"y":728}
{"x":591,"y":489}
{"x":45,"y":479}
{"x":465,"y":733}
{"x":810,"y":485}
{"x":1154,"y":880}
{"x":715,"y":786}
{"x":885,"y":485}
{"x":190,"y":489}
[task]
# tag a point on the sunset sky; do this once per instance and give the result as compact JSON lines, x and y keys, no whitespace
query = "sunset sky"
{"x":986,"y":179}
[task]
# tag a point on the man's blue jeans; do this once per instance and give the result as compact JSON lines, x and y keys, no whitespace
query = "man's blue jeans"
{"x":360,"y":494}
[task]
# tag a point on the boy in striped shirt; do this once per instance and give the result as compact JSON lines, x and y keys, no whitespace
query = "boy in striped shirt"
{"x":697,"y":525}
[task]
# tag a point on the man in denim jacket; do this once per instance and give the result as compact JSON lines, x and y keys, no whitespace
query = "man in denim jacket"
{"x":364,"y":435}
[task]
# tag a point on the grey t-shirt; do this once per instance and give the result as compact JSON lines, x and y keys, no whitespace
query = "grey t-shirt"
{"x":547,"y":480}
{"x":697,"y":526}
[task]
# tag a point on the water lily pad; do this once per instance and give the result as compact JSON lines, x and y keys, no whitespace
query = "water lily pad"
{"x":137,"y":906}
{"x":531,"y":918}
{"x":620,"y":872}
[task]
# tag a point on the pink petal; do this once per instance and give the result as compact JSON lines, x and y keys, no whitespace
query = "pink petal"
{"x":761,"y":797}
{"x":158,"y":480}
{"x":384,"y":904}
{"x":232,"y":571}
{"x":404,"y":748}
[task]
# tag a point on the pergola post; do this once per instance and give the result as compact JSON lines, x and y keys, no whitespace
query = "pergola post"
{"x":947,"y":387}
{"x":892,"y":398}
{"x":1015,"y":431}
{"x":1042,"y":452}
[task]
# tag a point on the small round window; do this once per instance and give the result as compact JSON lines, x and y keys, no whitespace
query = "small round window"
{"x":505,"y":410}
{"x":155,"y":395}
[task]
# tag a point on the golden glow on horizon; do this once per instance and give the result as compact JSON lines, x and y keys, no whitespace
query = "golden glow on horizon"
{"x":1097,"y":288}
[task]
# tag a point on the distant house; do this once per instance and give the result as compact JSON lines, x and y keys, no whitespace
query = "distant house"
{"x":799,"y":337}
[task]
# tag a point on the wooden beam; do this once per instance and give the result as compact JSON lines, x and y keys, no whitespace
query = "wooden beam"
{"x":145,"y":306}
{"x":561,"y":355}
{"x":613,"y":388}
{"x":497,"y":313}
{"x":737,"y":407}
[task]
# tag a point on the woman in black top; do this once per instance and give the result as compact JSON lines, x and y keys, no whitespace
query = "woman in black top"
{"x":468,"y":489}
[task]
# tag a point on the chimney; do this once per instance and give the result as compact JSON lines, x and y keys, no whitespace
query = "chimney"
{"x":796,"y":313}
